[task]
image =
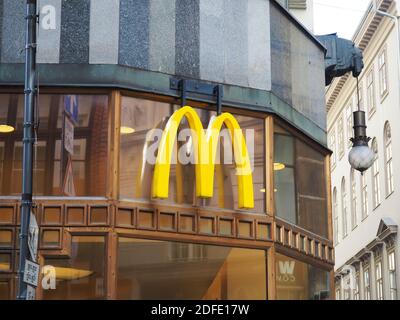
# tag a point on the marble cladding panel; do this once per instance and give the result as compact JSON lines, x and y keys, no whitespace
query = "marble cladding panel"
{"x":297,"y":69}
{"x":134,"y":40}
{"x":75,"y":24}
{"x":49,"y":31}
{"x":162,"y":36}
{"x":187,"y":38}
{"x":13,"y":31}
{"x":104,"y":32}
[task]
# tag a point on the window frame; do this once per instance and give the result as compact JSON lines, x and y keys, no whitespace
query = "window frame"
{"x":353,"y":194}
{"x":392,"y":274}
{"x":389,"y":176}
{"x":376,"y":188}
{"x":379,"y":280}
{"x":383,"y":73}
{"x":367,"y":282}
{"x":344,"y":209}
{"x":371,"y":96}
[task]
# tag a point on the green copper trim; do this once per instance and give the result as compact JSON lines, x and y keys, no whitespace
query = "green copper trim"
{"x":116,"y":76}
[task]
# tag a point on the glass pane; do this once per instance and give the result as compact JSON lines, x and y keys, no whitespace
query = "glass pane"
{"x":296,"y":280}
{"x":83,"y":275}
{"x":142,"y":126}
{"x":88,"y":145}
{"x":300,"y":185}
{"x":173,"y":271}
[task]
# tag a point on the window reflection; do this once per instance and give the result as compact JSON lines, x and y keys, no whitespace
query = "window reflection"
{"x":296,"y":280}
{"x":140,"y":117}
{"x":174,"y":271}
{"x":90,"y":145}
{"x":300,"y":185}
{"x":82,"y":276}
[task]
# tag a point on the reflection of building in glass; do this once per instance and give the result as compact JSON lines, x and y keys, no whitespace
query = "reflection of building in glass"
{"x":105,"y":233}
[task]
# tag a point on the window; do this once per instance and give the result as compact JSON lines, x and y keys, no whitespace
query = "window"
{"x":367,"y":284}
{"x":344,"y":209}
{"x":349,"y":117}
{"x":371,"y":92}
{"x":332,"y":146}
{"x":375,"y":176}
{"x":364,"y":195}
{"x":335,"y":217}
{"x":357,"y":287}
{"x":392,"y":275}
{"x":382,"y":66}
{"x":300,"y":183}
{"x":82,"y":276}
{"x":296,"y":280}
{"x":353,"y":199}
{"x":341,"y":137}
{"x":158,"y":270}
{"x":337,"y":294}
{"x":379,"y":280}
{"x":347,"y":288}
{"x":388,"y":159}
{"x":86,"y":156}
{"x":145,"y":121}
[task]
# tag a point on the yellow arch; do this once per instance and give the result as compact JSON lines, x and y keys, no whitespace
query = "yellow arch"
{"x":205,"y":153}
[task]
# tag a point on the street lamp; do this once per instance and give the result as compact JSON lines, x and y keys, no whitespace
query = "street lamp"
{"x":361,"y":157}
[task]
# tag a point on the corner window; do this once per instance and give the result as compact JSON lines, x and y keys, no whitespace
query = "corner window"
{"x":300,"y":183}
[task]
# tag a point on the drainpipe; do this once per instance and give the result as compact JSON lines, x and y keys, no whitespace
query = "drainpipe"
{"x":28,"y":140}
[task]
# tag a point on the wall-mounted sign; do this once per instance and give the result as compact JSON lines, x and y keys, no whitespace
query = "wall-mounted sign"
{"x":205,"y":145}
{"x":31,"y":274}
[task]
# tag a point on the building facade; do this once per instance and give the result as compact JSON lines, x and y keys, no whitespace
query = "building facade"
{"x":116,"y":222}
{"x":365,"y":207}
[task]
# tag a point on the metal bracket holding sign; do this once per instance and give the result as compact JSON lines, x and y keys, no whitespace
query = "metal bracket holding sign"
{"x":31,"y":274}
{"x":199,"y":91}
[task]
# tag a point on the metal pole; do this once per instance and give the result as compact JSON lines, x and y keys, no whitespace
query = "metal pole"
{"x":28,"y":140}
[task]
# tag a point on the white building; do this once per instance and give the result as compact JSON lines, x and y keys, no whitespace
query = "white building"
{"x":303,"y":10}
{"x":366,"y":209}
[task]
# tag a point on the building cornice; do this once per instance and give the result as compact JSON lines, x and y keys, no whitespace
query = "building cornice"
{"x":362,"y":38}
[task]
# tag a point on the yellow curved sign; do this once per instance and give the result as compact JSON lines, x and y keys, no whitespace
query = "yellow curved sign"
{"x":205,"y":149}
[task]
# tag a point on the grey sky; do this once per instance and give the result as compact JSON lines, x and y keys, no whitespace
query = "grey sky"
{"x":341,"y":16}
